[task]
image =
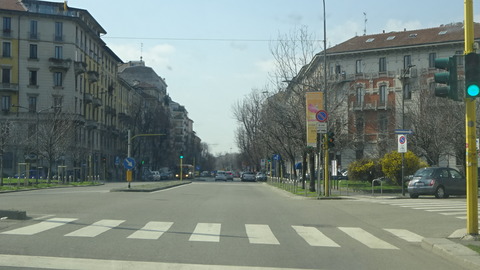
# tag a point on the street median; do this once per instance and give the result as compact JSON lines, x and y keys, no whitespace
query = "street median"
{"x":151,"y":187}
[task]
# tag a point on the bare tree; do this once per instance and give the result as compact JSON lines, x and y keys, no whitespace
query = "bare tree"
{"x":4,"y":136}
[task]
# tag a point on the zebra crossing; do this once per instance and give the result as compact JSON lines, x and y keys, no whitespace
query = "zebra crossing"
{"x":454,"y":208}
{"x":257,"y":234}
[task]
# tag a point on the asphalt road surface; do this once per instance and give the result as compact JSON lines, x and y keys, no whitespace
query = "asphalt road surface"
{"x":217,"y":225}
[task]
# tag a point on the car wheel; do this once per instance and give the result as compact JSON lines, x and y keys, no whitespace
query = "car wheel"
{"x":440,"y":192}
{"x":413,"y":195}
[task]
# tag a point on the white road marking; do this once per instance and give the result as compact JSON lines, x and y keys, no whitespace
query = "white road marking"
{"x":260,"y":234}
{"x":96,"y":228}
{"x":366,"y":238}
{"x":406,"y":235}
{"x":206,"y":232}
{"x":152,"y":230}
{"x":40,"y":227}
{"x":314,"y":237}
{"x":44,"y":262}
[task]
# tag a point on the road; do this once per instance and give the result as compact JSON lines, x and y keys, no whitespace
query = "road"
{"x":216,"y":225}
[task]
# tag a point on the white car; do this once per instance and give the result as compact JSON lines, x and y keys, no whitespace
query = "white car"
{"x":248,"y":176}
{"x":221,"y":176}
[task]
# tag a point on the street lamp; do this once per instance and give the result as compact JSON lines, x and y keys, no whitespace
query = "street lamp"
{"x":404,"y":78}
{"x":37,"y":131}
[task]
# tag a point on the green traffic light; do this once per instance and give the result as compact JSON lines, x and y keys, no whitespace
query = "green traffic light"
{"x":473,"y":90}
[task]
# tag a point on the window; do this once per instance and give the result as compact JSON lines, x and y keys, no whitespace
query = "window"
{"x":383,"y":94}
{"x":407,"y":61}
{"x":382,"y":64}
{"x":58,"y":52}
{"x":6,"y":103}
{"x":58,"y":79}
{"x":360,"y":96}
{"x":6,"y":49}
{"x":407,"y":92}
{"x":431,"y":60}
{"x":32,"y":78}
{"x":57,"y":104}
{"x":359,"y":67}
{"x":6,"y":75}
{"x":33,"y":51}
{"x":58,"y":31}
{"x":33,"y":29}
{"x":382,"y":123}
{"x":32,"y":104}
{"x":7,"y":25}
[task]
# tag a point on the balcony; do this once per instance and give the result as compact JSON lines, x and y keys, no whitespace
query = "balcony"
{"x":91,"y":124}
{"x":7,"y":32}
{"x":57,"y":64}
{"x":80,"y":67}
{"x":373,"y":106}
{"x":9,"y":87}
{"x":92,"y":76}
{"x":87,"y":98}
{"x":97,"y":102}
{"x":33,"y":35}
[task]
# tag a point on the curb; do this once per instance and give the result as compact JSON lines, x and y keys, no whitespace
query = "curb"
{"x":453,"y":252}
{"x":150,"y":189}
{"x":13,"y":214}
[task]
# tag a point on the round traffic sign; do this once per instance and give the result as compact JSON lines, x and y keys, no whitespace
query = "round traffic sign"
{"x":402,"y":139}
{"x":321,"y":116}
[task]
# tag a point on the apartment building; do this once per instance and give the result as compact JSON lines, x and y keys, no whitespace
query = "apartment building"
{"x":55,"y":68}
{"x":373,"y":80}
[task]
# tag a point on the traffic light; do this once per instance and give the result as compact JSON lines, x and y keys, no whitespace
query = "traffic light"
{"x":331,"y":139}
{"x":181,"y":156}
{"x":472,"y":75}
{"x":448,"y":77}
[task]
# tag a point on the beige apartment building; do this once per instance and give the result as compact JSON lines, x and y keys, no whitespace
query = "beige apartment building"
{"x":59,"y":76}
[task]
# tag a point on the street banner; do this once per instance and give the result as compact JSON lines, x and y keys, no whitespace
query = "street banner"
{"x":314,"y":103}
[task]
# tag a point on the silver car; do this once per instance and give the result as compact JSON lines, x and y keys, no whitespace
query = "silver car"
{"x":439,"y":181}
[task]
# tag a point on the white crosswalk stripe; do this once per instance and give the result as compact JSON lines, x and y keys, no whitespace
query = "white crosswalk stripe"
{"x":314,"y":237}
{"x":152,"y":230}
{"x":366,"y":238}
{"x":406,"y":235}
{"x":96,"y":228}
{"x":260,"y":234}
{"x":206,"y":232}
{"x":41,"y":227}
{"x":211,"y":232}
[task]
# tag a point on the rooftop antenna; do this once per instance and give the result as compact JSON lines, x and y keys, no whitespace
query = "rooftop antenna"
{"x":141,"y":52}
{"x":365,"y":28}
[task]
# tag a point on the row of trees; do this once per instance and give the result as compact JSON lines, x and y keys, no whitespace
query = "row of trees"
{"x":272,"y":120}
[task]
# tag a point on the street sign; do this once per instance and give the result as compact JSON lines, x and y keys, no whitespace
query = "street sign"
{"x":129,"y":163}
{"x":321,"y":116}
{"x":403,"y":131}
{"x":117,"y":160}
{"x":276,"y":157}
{"x":322,"y":127}
{"x":402,"y":143}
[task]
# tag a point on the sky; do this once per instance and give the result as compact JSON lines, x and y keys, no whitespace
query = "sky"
{"x":213,"y":53}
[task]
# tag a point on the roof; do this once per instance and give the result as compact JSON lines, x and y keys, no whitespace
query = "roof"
{"x":443,"y":34}
{"x":12,"y":5}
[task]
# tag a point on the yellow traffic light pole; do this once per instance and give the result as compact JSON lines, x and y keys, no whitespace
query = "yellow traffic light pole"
{"x":470,"y":134}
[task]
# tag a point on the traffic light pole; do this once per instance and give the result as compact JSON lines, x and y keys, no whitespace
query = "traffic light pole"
{"x":470,"y":134}
{"x":326,"y":178}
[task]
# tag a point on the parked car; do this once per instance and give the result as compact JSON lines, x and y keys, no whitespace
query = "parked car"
{"x":261,"y":177}
{"x":221,"y":176}
{"x":229,"y":175}
{"x":156,"y":176}
{"x":248,"y":176}
{"x":439,"y":181}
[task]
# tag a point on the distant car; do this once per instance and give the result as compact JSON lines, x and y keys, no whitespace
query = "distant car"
{"x":205,"y":174}
{"x":439,"y":181}
{"x":248,"y":176}
{"x":229,"y":175}
{"x":261,"y":177}
{"x":221,"y":176}
{"x":156,"y":176}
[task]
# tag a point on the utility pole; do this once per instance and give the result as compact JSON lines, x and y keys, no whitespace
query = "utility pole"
{"x":470,"y":133}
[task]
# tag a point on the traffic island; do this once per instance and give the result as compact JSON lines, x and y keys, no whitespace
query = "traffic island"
{"x":13,"y":214}
{"x":151,"y":187}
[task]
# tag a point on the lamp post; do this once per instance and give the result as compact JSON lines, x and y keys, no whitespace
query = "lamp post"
{"x":37,"y":146}
{"x":404,"y":78}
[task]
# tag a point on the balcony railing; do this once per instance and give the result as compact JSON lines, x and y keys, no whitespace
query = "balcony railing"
{"x":87,"y":98}
{"x":92,"y":76}
{"x":59,"y":64}
{"x":80,"y":67}
{"x":97,"y":102}
{"x":11,"y":87}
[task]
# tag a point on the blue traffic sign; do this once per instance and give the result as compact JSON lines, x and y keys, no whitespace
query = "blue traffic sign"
{"x":276,"y":157}
{"x":321,"y":116}
{"x":129,"y":163}
{"x":117,"y":160}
